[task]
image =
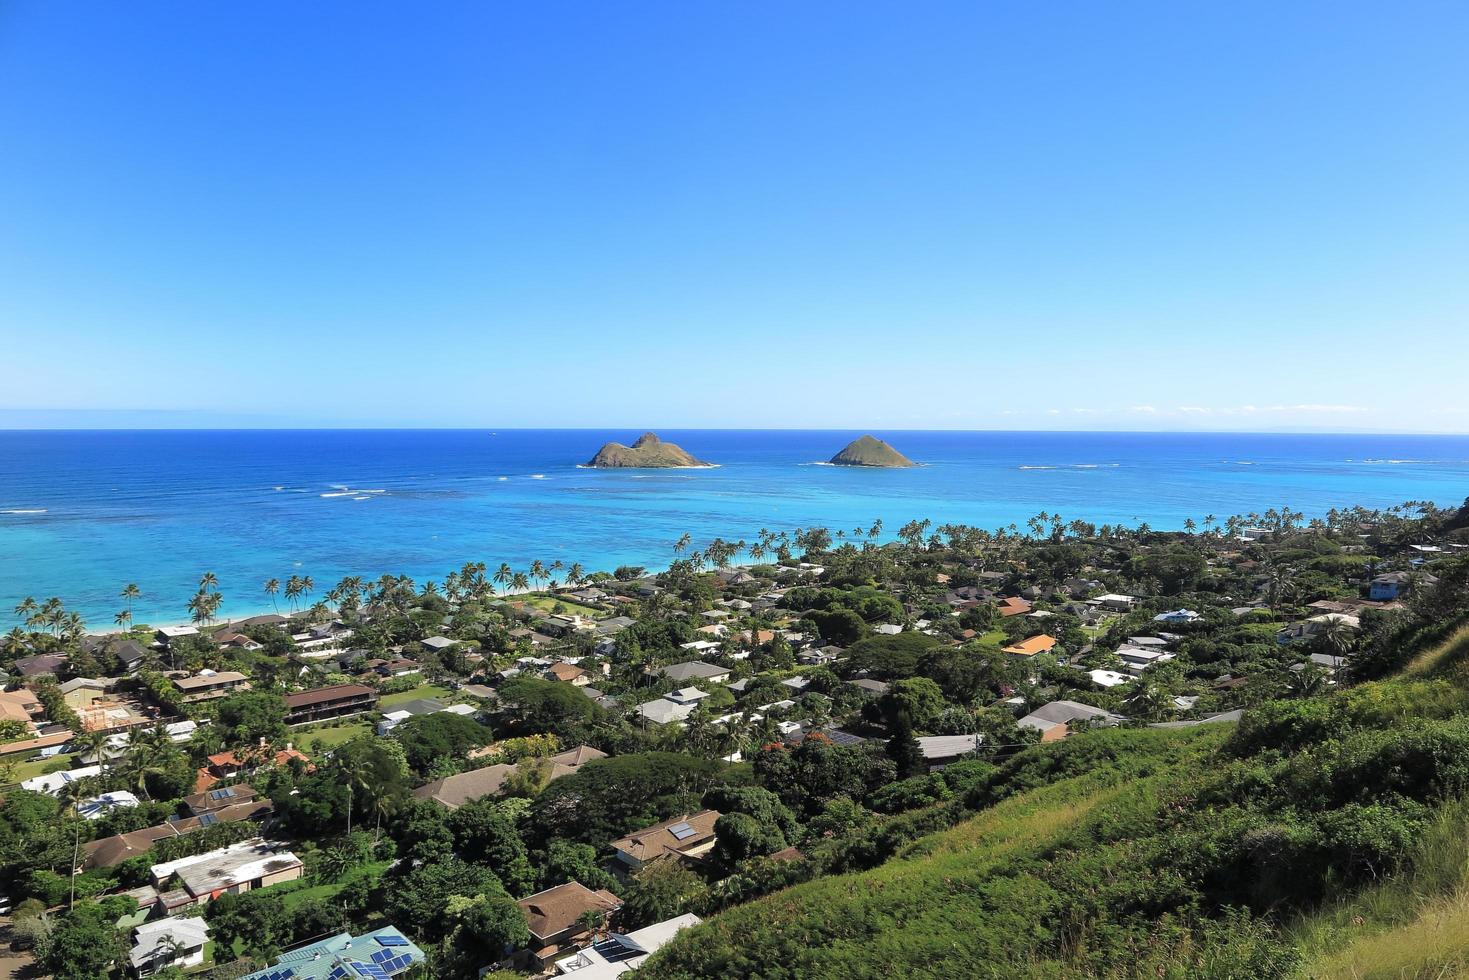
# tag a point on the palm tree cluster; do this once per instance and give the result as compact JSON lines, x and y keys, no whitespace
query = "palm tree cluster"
{"x":204,"y":606}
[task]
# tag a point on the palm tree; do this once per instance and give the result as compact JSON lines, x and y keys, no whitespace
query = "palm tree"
{"x":1307,"y":682}
{"x":519,"y":582}
{"x":272,"y":586}
{"x":682,"y":544}
{"x":208,"y":581}
{"x":575,"y":575}
{"x":537,"y":571}
{"x":293,"y":590}
{"x":16,"y":642}
{"x":122,"y":619}
{"x":27,"y":608}
{"x":504,"y":575}
{"x":130,"y":592}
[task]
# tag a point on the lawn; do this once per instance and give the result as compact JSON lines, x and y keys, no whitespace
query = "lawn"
{"x":548,"y":603}
{"x":293,"y":900}
{"x":390,"y":701}
{"x":333,"y":736}
{"x":40,"y":767}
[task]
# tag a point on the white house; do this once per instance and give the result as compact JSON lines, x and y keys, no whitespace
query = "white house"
{"x":176,"y":941}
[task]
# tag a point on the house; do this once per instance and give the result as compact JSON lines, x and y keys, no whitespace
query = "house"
{"x":228,"y":765}
{"x":335,"y":701}
{"x":695,"y":670}
{"x":619,"y":954}
{"x":1114,"y":602}
{"x":1054,"y":720}
{"x":177,"y":941}
{"x":1178,"y":617}
{"x":238,"y":641}
{"x":887,"y":629}
{"x":871,"y":687}
{"x":1042,"y":643}
{"x":210,"y":684}
{"x":1394,"y":585}
{"x":438,"y":644}
{"x":673,"y":707}
{"x":1108,"y":678}
{"x":37,"y":666}
{"x":1014,"y":606}
{"x":556,"y":917}
{"x":689,"y":837}
{"x":21,"y":706}
{"x":454,"y":791}
{"x":568,"y":674}
{"x":250,"y":864}
{"x":411,"y":709}
{"x":52,"y":783}
{"x":941,"y":750}
{"x":1316,"y":626}
{"x":384,"y":952}
{"x":129,"y":653}
{"x":165,"y":635}
{"x":100,"y":806}
{"x":218,"y":798}
{"x":1135,"y":660}
{"x":111,"y":851}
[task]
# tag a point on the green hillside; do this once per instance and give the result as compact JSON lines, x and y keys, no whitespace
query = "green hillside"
{"x":1320,"y":837}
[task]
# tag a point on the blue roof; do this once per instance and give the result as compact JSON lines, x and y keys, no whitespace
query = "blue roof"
{"x":376,"y":955}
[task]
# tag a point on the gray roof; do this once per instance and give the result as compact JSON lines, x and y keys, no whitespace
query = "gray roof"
{"x":1064,"y":712}
{"x":947,"y":746}
{"x":693,"y":670}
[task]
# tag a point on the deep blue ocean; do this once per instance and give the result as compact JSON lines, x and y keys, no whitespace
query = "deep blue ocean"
{"x":83,"y":513}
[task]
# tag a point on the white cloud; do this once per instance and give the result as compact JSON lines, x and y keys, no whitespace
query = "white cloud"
{"x":1193,"y":410}
{"x":1324,"y":409}
{"x":1143,"y":410}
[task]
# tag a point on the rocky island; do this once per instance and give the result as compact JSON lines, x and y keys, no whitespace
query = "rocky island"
{"x":868,"y":451}
{"x":647,"y":453}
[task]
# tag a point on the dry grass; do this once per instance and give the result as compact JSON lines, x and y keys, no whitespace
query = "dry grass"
{"x":1433,"y":661}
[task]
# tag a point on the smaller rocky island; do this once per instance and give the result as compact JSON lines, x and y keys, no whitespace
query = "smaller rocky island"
{"x":649,"y":452}
{"x":868,"y":451}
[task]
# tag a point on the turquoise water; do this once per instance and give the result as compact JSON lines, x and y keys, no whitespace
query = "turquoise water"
{"x":83,"y":513}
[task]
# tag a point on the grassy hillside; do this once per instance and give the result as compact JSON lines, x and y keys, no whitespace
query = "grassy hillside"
{"x":1321,"y":837}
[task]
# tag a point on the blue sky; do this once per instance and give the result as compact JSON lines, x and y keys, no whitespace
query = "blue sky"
{"x":969,"y":215}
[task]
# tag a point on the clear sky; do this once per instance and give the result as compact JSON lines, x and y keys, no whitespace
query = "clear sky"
{"x":922,"y":215}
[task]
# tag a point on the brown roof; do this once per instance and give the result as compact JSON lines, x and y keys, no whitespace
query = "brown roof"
{"x":657,"y":841}
{"x":209,"y":680}
{"x":456,"y":790}
{"x":1014,"y":606}
{"x":320,"y":695}
{"x":206,"y":800}
{"x":110,"y":851}
{"x":566,"y":672}
{"x":555,"y":910}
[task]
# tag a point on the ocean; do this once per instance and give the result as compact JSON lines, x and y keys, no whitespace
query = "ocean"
{"x":82,"y":513}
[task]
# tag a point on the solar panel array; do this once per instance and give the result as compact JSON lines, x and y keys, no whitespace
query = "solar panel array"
{"x":283,"y":974}
{"x":390,"y":961}
{"x":388,"y":939}
{"x":682,"y":831}
{"x":614,"y":952}
{"x":221,"y":794}
{"x":208,"y":819}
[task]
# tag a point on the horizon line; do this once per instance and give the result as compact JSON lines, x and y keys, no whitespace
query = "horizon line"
{"x":687,"y":428}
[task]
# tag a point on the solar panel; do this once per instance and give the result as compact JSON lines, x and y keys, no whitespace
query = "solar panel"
{"x":397,"y":963}
{"x":370,"y":970}
{"x":221,"y":794}
{"x":208,"y":819}
{"x":682,"y":831}
{"x":285,"y":974}
{"x":392,"y":940}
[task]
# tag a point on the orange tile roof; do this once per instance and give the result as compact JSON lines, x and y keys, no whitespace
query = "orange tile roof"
{"x":1033,"y":646}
